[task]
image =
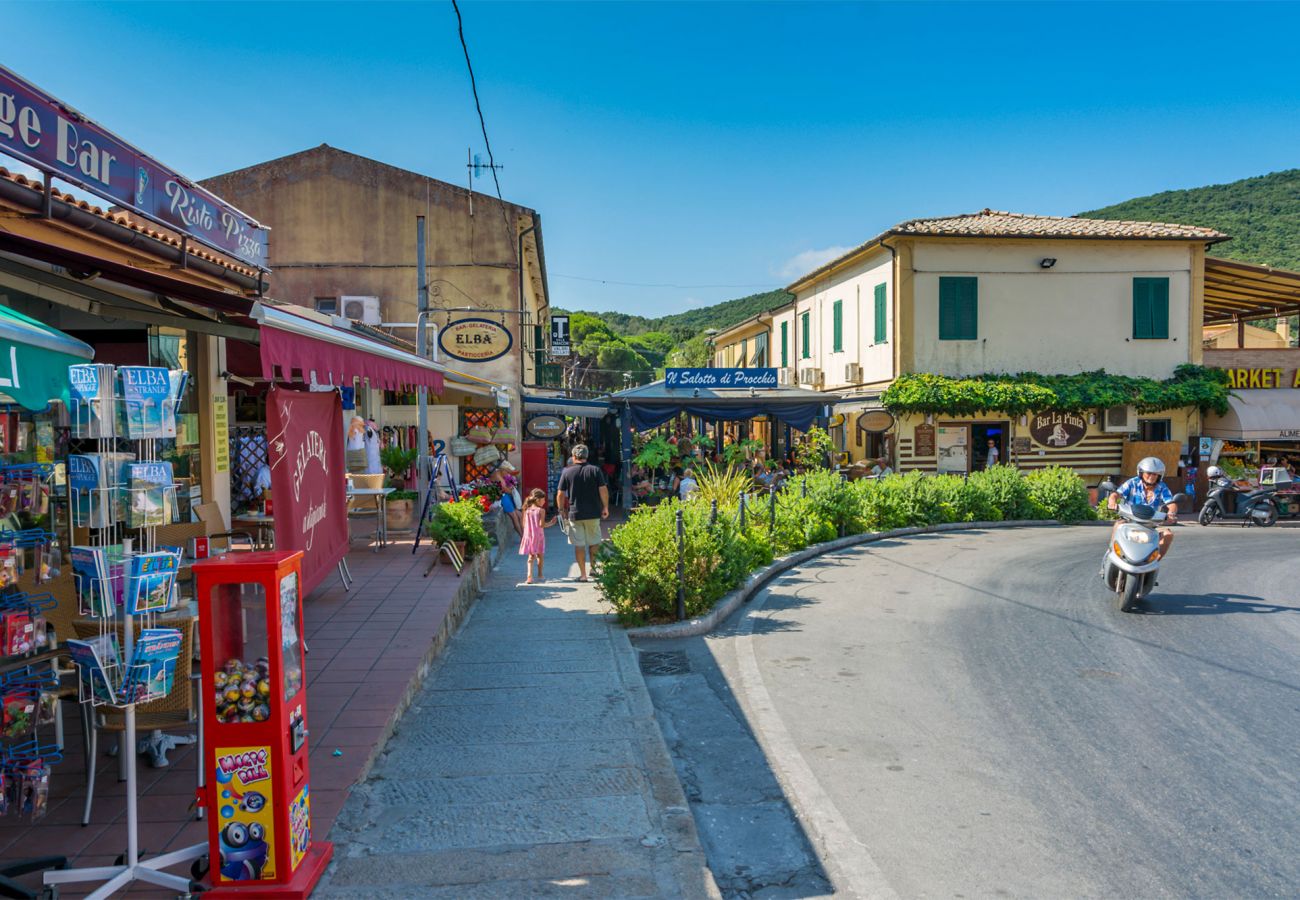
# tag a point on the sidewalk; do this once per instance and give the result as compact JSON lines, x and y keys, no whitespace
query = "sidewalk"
{"x":529,"y":764}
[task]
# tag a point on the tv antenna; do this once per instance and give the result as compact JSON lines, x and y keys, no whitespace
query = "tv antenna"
{"x":475,"y":166}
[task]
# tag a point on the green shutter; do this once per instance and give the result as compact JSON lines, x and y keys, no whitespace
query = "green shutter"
{"x":837,"y":326}
{"x":958,"y":309}
{"x":785,"y":344}
{"x":881,"y":336}
{"x":744,"y":354}
{"x":805,"y":347}
{"x":1151,"y":308}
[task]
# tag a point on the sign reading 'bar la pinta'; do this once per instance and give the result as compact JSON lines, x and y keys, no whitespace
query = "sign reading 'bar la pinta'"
{"x":45,"y":133}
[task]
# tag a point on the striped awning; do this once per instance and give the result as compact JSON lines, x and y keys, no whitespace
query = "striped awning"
{"x":1244,"y":291}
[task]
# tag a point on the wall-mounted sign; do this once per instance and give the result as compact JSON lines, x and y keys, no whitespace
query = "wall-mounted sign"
{"x":837,"y":420}
{"x":43,"y":132}
{"x":720,"y":378}
{"x":1263,"y":378}
{"x":954,"y":448}
{"x":545,"y":427}
{"x":1020,"y":445}
{"x":475,"y":340}
{"x":1058,"y":429}
{"x":876,"y":421}
{"x":560,"y":336}
{"x":923,"y":441}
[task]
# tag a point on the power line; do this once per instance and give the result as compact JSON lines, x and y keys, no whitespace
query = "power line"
{"x":492,"y":163}
{"x":766,"y":284}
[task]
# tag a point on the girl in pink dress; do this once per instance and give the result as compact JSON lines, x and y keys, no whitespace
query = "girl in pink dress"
{"x":533,"y":541}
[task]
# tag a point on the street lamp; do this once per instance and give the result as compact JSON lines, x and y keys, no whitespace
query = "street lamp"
{"x":709,"y":335}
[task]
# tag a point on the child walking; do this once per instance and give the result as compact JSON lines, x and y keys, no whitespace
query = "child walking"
{"x":533,"y":541}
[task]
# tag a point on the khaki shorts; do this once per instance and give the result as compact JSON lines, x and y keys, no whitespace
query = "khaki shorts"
{"x":584,"y":533}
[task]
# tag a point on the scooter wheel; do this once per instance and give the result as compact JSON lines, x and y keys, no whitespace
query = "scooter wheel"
{"x":1132,"y":587}
{"x":1270,"y":519}
{"x":1208,"y":513}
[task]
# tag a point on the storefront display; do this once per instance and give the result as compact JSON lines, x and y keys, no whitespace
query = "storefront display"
{"x":256,"y":726}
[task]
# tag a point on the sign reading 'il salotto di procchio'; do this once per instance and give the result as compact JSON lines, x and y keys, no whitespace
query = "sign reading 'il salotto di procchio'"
{"x":43,"y":132}
{"x":720,"y":378}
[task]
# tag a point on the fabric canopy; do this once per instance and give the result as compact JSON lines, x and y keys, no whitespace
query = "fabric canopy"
{"x":796,"y":415}
{"x":337,"y":356}
{"x":34,"y":360}
{"x":1258,"y":415}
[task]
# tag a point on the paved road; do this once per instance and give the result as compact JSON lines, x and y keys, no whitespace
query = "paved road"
{"x":969,"y":714}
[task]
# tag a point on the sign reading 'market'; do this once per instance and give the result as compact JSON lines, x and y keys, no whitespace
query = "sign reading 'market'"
{"x":42,"y":132}
{"x":720,"y":378}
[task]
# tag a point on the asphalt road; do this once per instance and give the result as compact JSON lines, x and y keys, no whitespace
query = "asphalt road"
{"x":970,"y":715}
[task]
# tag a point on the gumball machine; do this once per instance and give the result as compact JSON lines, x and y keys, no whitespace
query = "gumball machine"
{"x":255,"y":727}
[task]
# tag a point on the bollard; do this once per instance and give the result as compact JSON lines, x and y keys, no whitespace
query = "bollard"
{"x":805,"y":486}
{"x":681,"y":567}
{"x":742,"y":512}
{"x":771,"y":515}
{"x":713,"y":513}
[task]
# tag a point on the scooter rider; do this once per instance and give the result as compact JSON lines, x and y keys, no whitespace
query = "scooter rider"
{"x":1148,"y":488}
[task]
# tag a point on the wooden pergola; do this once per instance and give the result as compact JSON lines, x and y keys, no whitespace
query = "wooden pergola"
{"x":1238,"y":292}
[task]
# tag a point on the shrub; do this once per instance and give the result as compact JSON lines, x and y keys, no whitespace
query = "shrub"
{"x":721,"y":483}
{"x":1008,"y":491}
{"x":1059,"y":494}
{"x":460,"y":520}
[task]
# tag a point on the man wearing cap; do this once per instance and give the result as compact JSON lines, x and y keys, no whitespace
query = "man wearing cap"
{"x":582,"y":497}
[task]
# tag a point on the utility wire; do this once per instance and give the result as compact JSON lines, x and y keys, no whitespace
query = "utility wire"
{"x":460,"y":30}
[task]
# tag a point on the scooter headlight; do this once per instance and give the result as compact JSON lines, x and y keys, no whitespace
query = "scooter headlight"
{"x":1138,"y":535}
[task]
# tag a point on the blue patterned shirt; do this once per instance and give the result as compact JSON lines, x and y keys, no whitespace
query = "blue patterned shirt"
{"x":1134,"y":491}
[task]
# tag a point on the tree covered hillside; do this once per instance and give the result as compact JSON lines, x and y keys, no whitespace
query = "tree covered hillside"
{"x":1261,"y":214}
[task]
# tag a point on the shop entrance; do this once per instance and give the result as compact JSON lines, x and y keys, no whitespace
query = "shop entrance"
{"x":981,"y":434}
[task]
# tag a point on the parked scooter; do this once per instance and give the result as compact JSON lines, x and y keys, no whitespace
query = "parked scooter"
{"x":1228,"y":502}
{"x":1131,"y":564}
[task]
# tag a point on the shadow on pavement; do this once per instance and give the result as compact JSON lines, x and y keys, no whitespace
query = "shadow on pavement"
{"x":1209,"y":605}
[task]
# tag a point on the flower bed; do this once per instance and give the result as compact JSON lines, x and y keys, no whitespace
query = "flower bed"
{"x":636,"y":568}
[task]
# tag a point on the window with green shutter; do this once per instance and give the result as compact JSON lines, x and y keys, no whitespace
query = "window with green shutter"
{"x":958,"y":308}
{"x":805,"y":347}
{"x":1151,"y":308}
{"x":785,"y":344}
{"x":881,"y":335}
{"x":743,"y":360}
{"x":837,"y":327}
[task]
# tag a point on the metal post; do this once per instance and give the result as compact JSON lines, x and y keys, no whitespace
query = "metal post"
{"x":804,"y":487}
{"x":742,"y":512}
{"x":771,"y":514}
{"x":713,"y":512}
{"x":681,"y":567}
{"x":422,"y":474}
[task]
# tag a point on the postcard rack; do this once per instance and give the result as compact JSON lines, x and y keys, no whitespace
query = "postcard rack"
{"x":119,"y":493}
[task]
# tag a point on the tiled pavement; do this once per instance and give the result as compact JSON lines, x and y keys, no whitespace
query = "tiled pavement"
{"x":367,"y":648}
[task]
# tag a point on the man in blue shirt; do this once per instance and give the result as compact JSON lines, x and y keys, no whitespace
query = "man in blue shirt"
{"x":1148,"y":488}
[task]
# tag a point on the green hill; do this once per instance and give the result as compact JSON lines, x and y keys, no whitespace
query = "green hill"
{"x":719,"y":315}
{"x":1261,"y":214}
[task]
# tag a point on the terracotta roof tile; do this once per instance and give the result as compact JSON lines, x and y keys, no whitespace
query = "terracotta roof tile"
{"x":993,"y":223}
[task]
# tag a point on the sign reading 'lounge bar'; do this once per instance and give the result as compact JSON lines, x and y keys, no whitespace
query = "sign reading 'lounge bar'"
{"x":43,"y":132}
{"x":720,"y":378}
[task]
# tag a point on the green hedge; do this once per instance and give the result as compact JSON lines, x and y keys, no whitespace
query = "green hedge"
{"x":636,"y":569}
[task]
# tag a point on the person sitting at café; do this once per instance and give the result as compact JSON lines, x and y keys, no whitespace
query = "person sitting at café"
{"x":881,"y":468}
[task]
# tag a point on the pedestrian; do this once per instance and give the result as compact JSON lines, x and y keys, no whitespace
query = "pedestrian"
{"x":582,"y":497}
{"x":991,"y":459}
{"x":687,"y":484}
{"x":533,"y":541}
{"x":504,"y":478}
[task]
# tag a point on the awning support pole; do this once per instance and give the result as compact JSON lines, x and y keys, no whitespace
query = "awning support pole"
{"x":625,"y":427}
{"x":422,"y":473}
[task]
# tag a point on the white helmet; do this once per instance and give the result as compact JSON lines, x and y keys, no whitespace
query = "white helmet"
{"x":1213,"y":472}
{"x":1152,"y":465}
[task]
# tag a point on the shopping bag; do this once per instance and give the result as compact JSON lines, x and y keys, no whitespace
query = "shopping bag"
{"x":480,"y":434}
{"x":459,"y":446}
{"x":485,"y":456}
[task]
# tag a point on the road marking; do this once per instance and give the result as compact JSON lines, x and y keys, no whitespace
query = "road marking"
{"x":849,"y":864}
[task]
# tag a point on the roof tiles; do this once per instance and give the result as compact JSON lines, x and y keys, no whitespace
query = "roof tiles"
{"x":993,"y":223}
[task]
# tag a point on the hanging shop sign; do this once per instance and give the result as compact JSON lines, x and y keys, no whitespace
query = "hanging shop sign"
{"x":1058,"y":429}
{"x":475,"y":340}
{"x":876,"y":421}
{"x":720,"y":378}
{"x":560,"y":336}
{"x":545,"y":427}
{"x":837,"y":420}
{"x":43,"y":132}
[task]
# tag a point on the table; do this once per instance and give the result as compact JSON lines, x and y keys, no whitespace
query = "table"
{"x":381,"y":509}
{"x":264,"y":524}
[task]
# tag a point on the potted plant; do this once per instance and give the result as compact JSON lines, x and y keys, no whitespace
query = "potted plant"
{"x":397,"y":462}
{"x":401,"y":502}
{"x":460,"y":522}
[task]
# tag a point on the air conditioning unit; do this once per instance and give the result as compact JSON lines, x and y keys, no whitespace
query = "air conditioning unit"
{"x":785,"y":375}
{"x":853,"y":373}
{"x":363,"y":309}
{"x":1120,"y":419}
{"x":811,"y":376}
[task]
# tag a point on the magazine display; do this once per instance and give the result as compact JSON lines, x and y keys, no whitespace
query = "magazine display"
{"x":98,"y":574}
{"x":152,"y":494}
{"x":147,"y":402}
{"x":150,"y":582}
{"x":97,"y":658}
{"x":94,"y":479}
{"x":152,"y":669}
{"x":91,"y":400}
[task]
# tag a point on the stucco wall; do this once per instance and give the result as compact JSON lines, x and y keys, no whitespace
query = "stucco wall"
{"x":1076,"y":316}
{"x":855,"y":287}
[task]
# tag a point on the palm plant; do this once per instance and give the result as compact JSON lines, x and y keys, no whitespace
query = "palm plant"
{"x":723,"y":483}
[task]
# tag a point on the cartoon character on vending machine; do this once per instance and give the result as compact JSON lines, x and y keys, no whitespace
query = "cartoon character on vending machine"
{"x":243,"y":851}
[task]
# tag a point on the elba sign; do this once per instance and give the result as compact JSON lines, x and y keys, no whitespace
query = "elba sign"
{"x":720,"y":378}
{"x":43,"y":132}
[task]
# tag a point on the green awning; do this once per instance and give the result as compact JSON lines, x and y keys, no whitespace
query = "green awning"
{"x":34,"y":360}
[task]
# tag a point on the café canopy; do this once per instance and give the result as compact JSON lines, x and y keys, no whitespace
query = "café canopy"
{"x":722,"y":395}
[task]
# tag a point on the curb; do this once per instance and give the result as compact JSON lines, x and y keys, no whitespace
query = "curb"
{"x":757,"y":580}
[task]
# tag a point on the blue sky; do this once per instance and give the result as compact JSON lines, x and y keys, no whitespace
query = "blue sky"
{"x":718,"y":148}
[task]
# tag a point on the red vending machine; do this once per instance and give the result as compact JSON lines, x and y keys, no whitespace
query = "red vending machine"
{"x":255,"y":727}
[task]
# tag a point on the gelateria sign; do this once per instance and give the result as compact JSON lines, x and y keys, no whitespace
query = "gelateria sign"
{"x":1263,"y":378}
{"x":475,"y":340}
{"x":45,"y":133}
{"x":1058,"y":429}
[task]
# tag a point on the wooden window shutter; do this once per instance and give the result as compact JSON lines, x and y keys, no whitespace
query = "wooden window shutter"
{"x":837,"y":325}
{"x":785,"y":344}
{"x":958,"y":308}
{"x":1151,"y":308}
{"x":805,"y":346}
{"x":881,"y":335}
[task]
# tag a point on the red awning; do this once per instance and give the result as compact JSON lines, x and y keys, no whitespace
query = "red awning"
{"x":338,"y":356}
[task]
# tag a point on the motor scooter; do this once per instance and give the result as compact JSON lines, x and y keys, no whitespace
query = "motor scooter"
{"x":1226,"y":501}
{"x":1131,"y":563}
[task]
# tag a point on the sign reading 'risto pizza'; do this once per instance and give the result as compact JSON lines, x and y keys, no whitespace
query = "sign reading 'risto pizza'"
{"x":475,"y":340}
